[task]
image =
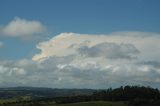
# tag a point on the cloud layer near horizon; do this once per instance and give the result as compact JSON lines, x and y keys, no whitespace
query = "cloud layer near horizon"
{"x":74,"y":60}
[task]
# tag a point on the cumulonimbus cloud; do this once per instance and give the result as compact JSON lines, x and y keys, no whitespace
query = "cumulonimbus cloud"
{"x":71,"y":60}
{"x":22,"y":28}
{"x":112,"y":46}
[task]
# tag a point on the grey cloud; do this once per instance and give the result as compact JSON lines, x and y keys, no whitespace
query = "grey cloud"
{"x":110,"y":50}
{"x":155,"y":64}
{"x":46,"y":73}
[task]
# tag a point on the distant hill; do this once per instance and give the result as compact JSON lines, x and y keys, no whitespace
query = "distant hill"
{"x":38,"y":92}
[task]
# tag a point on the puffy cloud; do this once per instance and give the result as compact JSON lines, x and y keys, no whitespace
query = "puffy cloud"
{"x":11,"y":75}
{"x":88,"y":61}
{"x":22,"y":28}
{"x":85,"y":74}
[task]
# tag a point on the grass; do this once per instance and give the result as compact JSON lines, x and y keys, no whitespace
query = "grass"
{"x":94,"y":103}
{"x":10,"y":100}
{"x":7,"y":100}
{"x":97,"y":103}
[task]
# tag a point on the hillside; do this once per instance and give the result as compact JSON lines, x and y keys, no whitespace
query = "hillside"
{"x":37,"y":92}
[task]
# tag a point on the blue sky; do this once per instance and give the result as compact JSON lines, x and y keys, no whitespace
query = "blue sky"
{"x":41,"y":20}
{"x":83,"y":16}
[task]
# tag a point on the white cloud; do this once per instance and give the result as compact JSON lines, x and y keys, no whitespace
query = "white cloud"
{"x":22,"y":28}
{"x":96,"y":60}
{"x":69,"y":43}
{"x":106,"y":61}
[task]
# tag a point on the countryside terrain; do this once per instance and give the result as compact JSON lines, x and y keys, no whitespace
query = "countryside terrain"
{"x":122,"y":96}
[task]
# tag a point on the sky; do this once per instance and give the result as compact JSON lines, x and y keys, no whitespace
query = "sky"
{"x":79,"y":43}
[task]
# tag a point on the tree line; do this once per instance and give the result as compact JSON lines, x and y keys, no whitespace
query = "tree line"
{"x":133,"y":95}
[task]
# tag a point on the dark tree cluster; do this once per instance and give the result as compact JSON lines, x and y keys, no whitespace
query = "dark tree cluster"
{"x":133,"y":95}
{"x":144,"y":102}
{"x":127,"y":93}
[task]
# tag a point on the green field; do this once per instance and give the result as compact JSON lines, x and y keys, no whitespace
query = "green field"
{"x":7,"y":100}
{"x":97,"y":103}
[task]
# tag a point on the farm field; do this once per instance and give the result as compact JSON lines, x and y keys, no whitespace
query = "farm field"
{"x":97,"y":103}
{"x":93,"y":103}
{"x":7,"y":100}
